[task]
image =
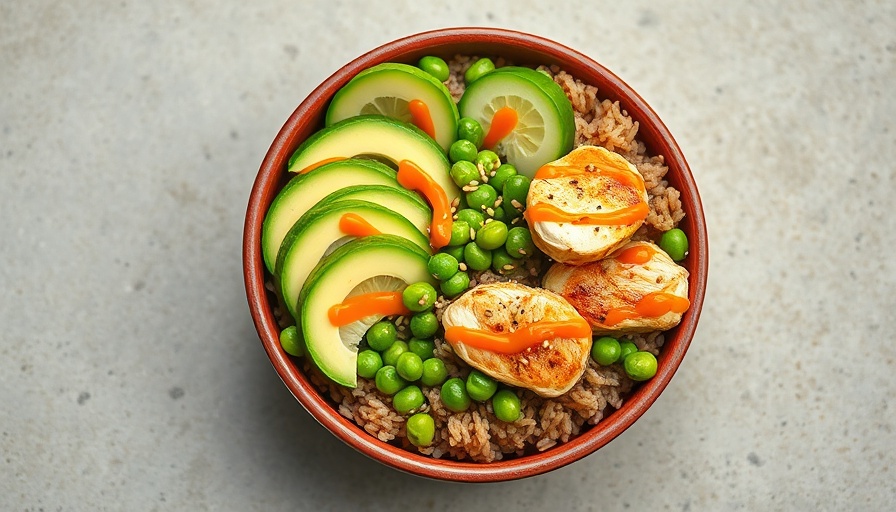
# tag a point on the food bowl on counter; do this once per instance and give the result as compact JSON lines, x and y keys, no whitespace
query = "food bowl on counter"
{"x":298,"y":275}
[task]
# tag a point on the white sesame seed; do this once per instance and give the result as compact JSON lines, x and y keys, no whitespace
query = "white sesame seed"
{"x":516,"y":204}
{"x":499,"y":201}
{"x":462,"y":266}
{"x":456,"y":201}
{"x":474,"y":183}
{"x":507,"y":267}
{"x":472,"y":234}
{"x":490,"y":211}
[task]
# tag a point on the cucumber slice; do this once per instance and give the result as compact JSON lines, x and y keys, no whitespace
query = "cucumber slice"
{"x":341,"y":274}
{"x":386,"y":89}
{"x":312,"y":236}
{"x":546,"y":126}
{"x":305,"y":190}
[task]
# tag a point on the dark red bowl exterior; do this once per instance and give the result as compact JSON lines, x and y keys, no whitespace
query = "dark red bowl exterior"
{"x":522,"y":49}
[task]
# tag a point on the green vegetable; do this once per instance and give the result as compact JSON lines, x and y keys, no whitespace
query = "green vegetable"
{"x":422,"y":347}
{"x":480,"y":386}
{"x":476,"y":257}
{"x":473,"y":218}
{"x":388,"y":381}
{"x":435,"y":66}
{"x":502,"y":263}
{"x":456,"y":285}
{"x":470,"y":129}
{"x":606,"y":350}
{"x":627,"y":348}
{"x":492,"y":235}
{"x":502,"y":173}
{"x":409,"y":366}
{"x":463,"y":172}
{"x":460,"y":233}
{"x":478,"y":69}
{"x":291,"y":341}
{"x":506,"y":405}
{"x":483,"y":197}
{"x":407,"y":399}
{"x":369,"y":362}
{"x":434,"y":372}
{"x":421,"y":429}
{"x":675,"y":243}
{"x":516,"y":188}
{"x":519,"y":243}
{"x":424,"y":325}
{"x":454,"y":395}
{"x":442,"y":266}
{"x":462,"y":150}
{"x":456,"y":251}
{"x":381,"y":335}
{"x":391,"y":355}
{"x":640,"y":366}
{"x":488,"y":160}
{"x":419,"y":296}
{"x":500,"y":214}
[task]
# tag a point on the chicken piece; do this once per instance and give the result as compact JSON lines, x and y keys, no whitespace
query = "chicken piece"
{"x":601,"y":200}
{"x":636,"y":289}
{"x":550,"y":367}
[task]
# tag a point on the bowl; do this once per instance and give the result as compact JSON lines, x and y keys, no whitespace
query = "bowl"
{"x":522,"y":49}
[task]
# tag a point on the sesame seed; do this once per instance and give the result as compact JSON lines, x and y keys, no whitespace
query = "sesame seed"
{"x":422,"y":301}
{"x":482,"y":207}
{"x":487,"y":221}
{"x":469,"y":188}
{"x":472,"y":234}
{"x":456,"y":201}
{"x":524,"y":360}
{"x":490,"y":211}
{"x":507,"y":267}
{"x":462,"y":266}
{"x":499,"y":201}
{"x":516,"y":204}
{"x":474,"y":183}
{"x":453,"y":210}
{"x":545,"y":344}
{"x":492,"y":174}
{"x":515,"y":220}
{"x":521,"y":251}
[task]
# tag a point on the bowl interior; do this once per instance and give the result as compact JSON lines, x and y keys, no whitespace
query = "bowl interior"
{"x":522,"y":49}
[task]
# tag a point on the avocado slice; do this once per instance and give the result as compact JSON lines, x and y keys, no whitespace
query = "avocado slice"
{"x":377,"y":136}
{"x":400,"y":200}
{"x":312,"y":236}
{"x":305,"y":190}
{"x":336,"y":277}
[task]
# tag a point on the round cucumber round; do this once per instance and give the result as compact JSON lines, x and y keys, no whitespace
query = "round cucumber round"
{"x":387,"y":89}
{"x":545,"y":128}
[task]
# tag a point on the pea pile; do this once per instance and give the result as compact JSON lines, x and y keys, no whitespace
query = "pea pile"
{"x":639,"y":365}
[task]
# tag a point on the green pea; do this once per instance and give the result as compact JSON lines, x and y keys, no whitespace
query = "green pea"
{"x":381,"y":335}
{"x":424,"y":325}
{"x":435,"y":66}
{"x":488,"y":161}
{"x":388,"y":381}
{"x":476,"y":257}
{"x":456,"y":285}
{"x":421,"y":429}
{"x":519,"y":243}
{"x":473,"y":218}
{"x":460,"y":233}
{"x":470,"y":129}
{"x":675,"y":243}
{"x":292,"y":342}
{"x":492,"y":235}
{"x":409,"y":365}
{"x":463,"y":172}
{"x":516,"y":188}
{"x":640,"y":366}
{"x":434,"y":372}
{"x":408,"y":399}
{"x":506,"y":405}
{"x":502,"y":263}
{"x":419,"y":296}
{"x":627,"y":348}
{"x":477,"y":69}
{"x":454,"y":395}
{"x":480,"y":386}
{"x":442,"y":266}
{"x":369,"y":362}
{"x":391,"y":354}
{"x":483,"y":197}
{"x":502,"y":173}
{"x":456,"y":251}
{"x":499,"y":213}
{"x":606,"y":350}
{"x":422,"y":347}
{"x":462,"y":149}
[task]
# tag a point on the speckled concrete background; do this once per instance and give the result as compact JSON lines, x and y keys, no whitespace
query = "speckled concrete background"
{"x":131,"y":377}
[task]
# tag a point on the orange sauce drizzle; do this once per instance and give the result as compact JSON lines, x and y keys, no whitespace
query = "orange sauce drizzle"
{"x":412,"y":177}
{"x":354,"y":225}
{"x":519,"y":340}
{"x":635,"y":255}
{"x":322,"y":162}
{"x":421,"y":118}
{"x":355,"y":308}
{"x":623,"y":176}
{"x":503,"y":122}
{"x":652,"y":305}
{"x":544,"y":212}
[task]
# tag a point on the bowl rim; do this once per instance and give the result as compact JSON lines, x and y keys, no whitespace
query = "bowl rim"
{"x":636,"y":404}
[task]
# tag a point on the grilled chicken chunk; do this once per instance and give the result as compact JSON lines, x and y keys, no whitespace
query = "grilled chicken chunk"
{"x":636,"y":289}
{"x":590,"y":184}
{"x":550,"y":367}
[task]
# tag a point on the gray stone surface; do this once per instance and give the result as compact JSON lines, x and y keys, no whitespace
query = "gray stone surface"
{"x":131,"y":377}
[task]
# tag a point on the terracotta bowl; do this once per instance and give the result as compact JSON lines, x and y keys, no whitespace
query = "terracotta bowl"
{"x":522,"y":49}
